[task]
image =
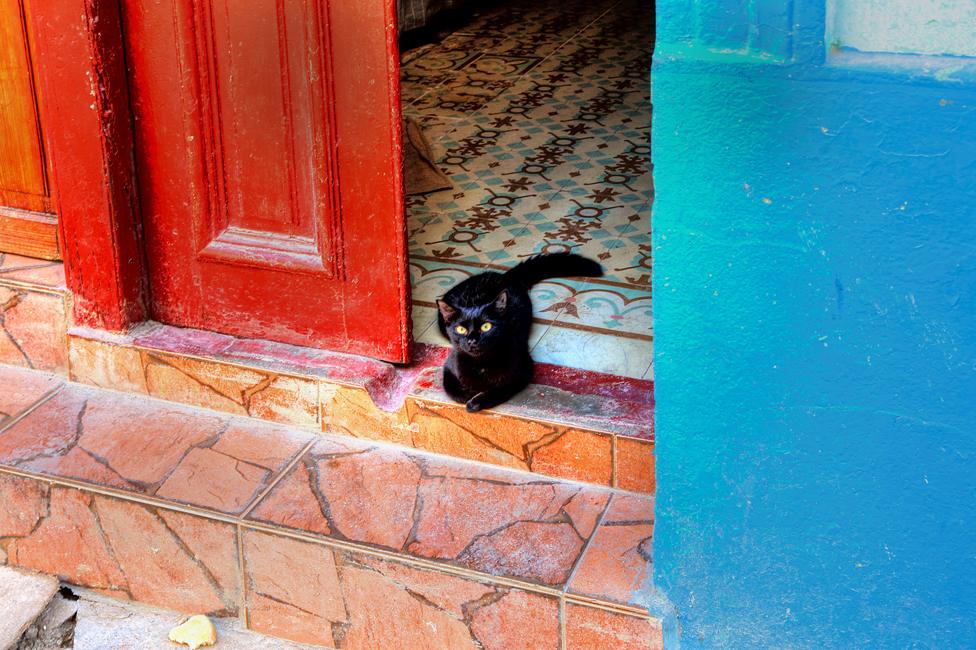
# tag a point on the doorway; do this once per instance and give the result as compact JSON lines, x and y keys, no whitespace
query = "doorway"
{"x":539,"y":116}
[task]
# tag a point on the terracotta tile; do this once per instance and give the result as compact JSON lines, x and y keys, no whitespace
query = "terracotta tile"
{"x":517,"y":620}
{"x":504,"y":552}
{"x":161,"y":449}
{"x":360,"y":494}
{"x":103,"y":364}
{"x":487,"y":437}
{"x":214,"y":547}
{"x":209,"y":478}
{"x":475,"y":516}
{"x":635,"y":465}
{"x":163,"y":569}
{"x":617,"y":563}
{"x":31,"y":271}
{"x":446,"y":592}
{"x":67,"y":541}
{"x":578,"y":455}
{"x":589,"y":628}
{"x":32,"y":330}
{"x":426,"y":609}
{"x":158,"y":441}
{"x":293,"y":503}
{"x":20,"y":389}
{"x":292,"y":588}
{"x":352,"y":412}
{"x":131,"y":551}
{"x":403,"y":620}
{"x":371,"y":495}
{"x":232,"y":389}
{"x":498,"y":528}
{"x":25,"y":502}
{"x":267,"y":446}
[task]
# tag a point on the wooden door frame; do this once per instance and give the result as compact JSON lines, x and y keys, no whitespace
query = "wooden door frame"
{"x":86,"y":105}
{"x":84,"y":82}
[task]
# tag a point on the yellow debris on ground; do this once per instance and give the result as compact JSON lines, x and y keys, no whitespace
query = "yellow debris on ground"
{"x":195,"y":631}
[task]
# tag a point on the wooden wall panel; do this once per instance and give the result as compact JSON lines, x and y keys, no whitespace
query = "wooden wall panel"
{"x":26,"y":223}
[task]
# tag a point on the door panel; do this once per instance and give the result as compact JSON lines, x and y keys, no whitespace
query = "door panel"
{"x":257,"y":132}
{"x":26,"y":225}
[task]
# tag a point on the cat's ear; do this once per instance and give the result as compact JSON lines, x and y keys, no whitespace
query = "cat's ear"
{"x":501,"y":302}
{"x":447,"y":312}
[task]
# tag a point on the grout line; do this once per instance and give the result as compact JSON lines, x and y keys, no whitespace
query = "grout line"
{"x":281,"y":475}
{"x":24,"y":285}
{"x":614,"y":476}
{"x":33,"y":407}
{"x":116,"y":493}
{"x":562,"y":623}
{"x":586,"y":546}
{"x":242,"y":573}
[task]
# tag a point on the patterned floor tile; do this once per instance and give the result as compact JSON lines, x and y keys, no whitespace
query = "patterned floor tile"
{"x":541,"y":115}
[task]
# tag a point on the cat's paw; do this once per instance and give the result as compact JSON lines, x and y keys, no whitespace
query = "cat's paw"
{"x":476,"y":403}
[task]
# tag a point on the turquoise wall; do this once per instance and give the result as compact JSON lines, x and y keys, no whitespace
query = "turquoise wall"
{"x":815,"y":335}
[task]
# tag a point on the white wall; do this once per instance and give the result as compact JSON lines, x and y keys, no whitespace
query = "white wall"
{"x":903,"y":26}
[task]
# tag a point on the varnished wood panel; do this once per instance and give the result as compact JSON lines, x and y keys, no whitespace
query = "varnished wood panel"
{"x":26,"y":227}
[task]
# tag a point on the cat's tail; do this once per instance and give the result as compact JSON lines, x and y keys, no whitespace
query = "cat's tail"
{"x":553,"y":265}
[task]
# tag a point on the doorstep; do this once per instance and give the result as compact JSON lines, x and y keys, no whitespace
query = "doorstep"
{"x":318,"y":538}
{"x":571,"y":424}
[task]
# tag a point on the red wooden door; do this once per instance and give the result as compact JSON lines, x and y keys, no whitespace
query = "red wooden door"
{"x":269,"y":171}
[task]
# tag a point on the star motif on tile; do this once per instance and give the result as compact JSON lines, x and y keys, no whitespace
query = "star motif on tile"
{"x":447,"y":253}
{"x":568,"y":305}
{"x":604,"y":255}
{"x":604,"y":195}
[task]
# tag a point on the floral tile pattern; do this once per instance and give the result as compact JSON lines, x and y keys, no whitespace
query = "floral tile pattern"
{"x":540,"y":115}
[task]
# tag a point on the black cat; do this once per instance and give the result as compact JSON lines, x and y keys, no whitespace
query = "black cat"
{"x":487,"y":318}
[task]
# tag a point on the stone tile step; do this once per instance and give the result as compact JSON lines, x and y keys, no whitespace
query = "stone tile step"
{"x":570,"y":424}
{"x":303,"y":534}
{"x":23,"y":598}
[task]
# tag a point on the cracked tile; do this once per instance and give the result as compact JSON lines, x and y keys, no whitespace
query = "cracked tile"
{"x":617,"y":563}
{"x":484,"y":519}
{"x":21,"y":389}
{"x":589,"y":627}
{"x":311,"y":593}
{"x":33,"y":327}
{"x":162,"y":450}
{"x":124,"y":549}
{"x":31,"y":272}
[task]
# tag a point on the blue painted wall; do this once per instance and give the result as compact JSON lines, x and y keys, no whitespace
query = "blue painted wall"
{"x":815,"y":335}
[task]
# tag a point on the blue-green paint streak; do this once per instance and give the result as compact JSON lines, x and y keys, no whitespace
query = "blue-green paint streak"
{"x":815,"y":346}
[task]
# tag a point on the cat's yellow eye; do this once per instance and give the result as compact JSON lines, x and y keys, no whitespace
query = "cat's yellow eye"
{"x":485,"y":327}
{"x":461,"y":329}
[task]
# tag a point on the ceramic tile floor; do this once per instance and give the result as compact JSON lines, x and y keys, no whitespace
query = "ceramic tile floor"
{"x":540,"y":114}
